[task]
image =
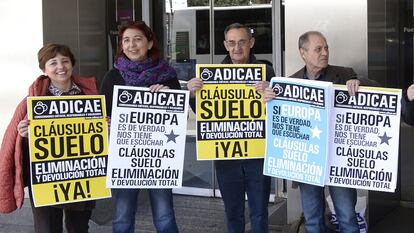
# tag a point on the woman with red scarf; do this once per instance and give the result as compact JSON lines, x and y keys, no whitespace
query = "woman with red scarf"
{"x":138,"y":63}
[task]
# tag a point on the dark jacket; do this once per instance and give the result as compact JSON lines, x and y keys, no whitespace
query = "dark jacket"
{"x":339,"y":75}
{"x":269,"y":74}
{"x":252,"y":60}
{"x":407,"y":109}
{"x":113,"y":77}
{"x":335,"y":74}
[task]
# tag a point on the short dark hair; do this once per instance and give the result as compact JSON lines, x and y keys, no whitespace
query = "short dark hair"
{"x":153,"y":53}
{"x":237,"y":26}
{"x":50,"y":51}
{"x":304,"y":38}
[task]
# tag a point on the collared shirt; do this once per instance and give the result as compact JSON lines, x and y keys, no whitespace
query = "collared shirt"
{"x":73,"y":90}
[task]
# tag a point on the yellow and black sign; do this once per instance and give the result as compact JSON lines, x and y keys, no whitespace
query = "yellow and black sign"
{"x":230,"y":112}
{"x":68,"y":149}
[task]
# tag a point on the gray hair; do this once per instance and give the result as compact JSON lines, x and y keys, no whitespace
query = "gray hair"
{"x":304,"y":38}
{"x":237,"y":26}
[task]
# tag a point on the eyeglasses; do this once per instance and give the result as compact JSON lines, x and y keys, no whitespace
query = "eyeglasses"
{"x":240,"y":43}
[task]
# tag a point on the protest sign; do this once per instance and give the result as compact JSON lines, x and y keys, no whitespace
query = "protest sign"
{"x":365,"y":139}
{"x":147,"y":138}
{"x":68,"y":149}
{"x":297,"y":130}
{"x":230,"y":112}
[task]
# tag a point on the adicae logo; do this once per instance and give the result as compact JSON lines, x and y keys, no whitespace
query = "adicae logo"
{"x":124,"y":97}
{"x":277,"y":89}
{"x":40,"y":108}
{"x":206,"y":74}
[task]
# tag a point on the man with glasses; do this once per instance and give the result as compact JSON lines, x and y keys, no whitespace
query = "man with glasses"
{"x":237,"y":177}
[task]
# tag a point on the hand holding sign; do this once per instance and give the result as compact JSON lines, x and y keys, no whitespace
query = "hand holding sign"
{"x":23,"y":128}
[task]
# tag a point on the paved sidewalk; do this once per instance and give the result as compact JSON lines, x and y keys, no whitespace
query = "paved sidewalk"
{"x":194,"y":215}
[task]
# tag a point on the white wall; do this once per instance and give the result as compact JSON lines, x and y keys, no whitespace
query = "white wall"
{"x":344,"y":24}
{"x":21,"y":38}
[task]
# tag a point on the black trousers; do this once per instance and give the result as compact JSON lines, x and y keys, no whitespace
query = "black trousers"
{"x":48,"y":219}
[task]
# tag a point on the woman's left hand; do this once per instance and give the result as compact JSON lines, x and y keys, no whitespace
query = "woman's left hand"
{"x":23,"y":128}
{"x":158,"y":87}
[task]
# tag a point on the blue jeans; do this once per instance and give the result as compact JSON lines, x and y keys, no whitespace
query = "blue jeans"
{"x":313,"y":204}
{"x":235,"y":178}
{"x":126,"y":207}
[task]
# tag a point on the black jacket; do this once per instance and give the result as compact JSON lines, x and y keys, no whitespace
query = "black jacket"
{"x":339,"y":75}
{"x":407,"y":109}
{"x":252,"y":60}
{"x":113,"y":77}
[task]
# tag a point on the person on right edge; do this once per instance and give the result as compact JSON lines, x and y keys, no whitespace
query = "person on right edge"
{"x":407,"y":105}
{"x":314,"y":51}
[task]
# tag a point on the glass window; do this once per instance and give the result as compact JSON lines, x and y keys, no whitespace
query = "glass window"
{"x":258,"y":18}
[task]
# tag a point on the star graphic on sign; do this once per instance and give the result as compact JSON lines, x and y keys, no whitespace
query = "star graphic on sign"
{"x":384,"y":138}
{"x":171,"y":136}
{"x":316,"y":132}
